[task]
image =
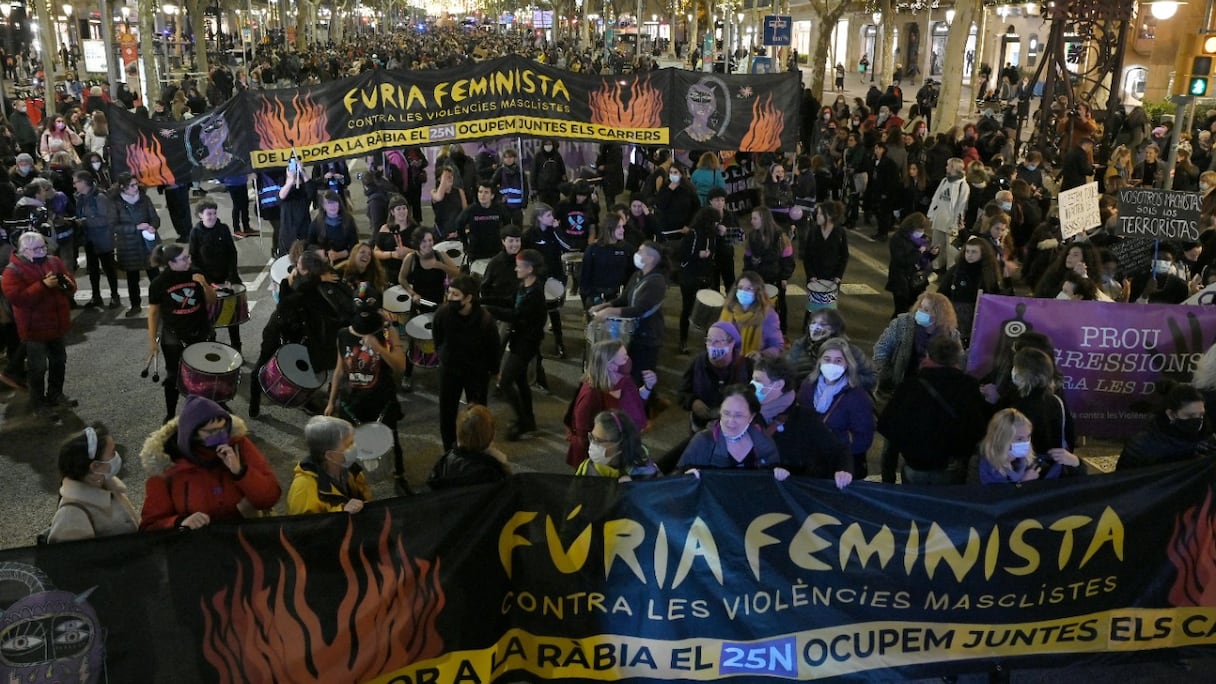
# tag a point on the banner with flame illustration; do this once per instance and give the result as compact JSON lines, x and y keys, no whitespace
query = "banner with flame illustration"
{"x":509,"y":96}
{"x":1111,"y":355}
{"x":550,"y":577}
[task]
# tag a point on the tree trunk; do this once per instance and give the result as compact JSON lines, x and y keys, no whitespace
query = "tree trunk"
{"x":337,"y":27}
{"x":198,"y":25}
{"x":304,"y":12}
{"x":694,"y":35}
{"x":946,"y":114}
{"x":887,"y":62}
{"x":828,"y":13}
{"x":147,"y":53}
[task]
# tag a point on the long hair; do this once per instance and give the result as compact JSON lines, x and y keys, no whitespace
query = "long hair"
{"x":940,"y":309}
{"x":768,"y":233}
{"x":621,"y":430}
{"x":374,"y":273}
{"x":1032,"y":369}
{"x":602,"y":353}
{"x":989,"y":268}
{"x":841,"y":345}
{"x":995,"y":445}
{"x":762,"y":303}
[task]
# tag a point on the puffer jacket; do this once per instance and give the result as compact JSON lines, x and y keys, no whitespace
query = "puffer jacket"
{"x":42,"y":313}
{"x":132,"y":249}
{"x":180,"y":485}
{"x":314,"y":491}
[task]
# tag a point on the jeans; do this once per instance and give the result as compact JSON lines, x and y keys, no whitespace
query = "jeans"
{"x":515,"y":388}
{"x":47,"y":360}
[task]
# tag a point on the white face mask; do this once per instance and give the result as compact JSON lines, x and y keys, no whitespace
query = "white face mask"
{"x":115,"y":466}
{"x":349,"y":457}
{"x":96,"y":166}
{"x":598,"y":453}
{"x":638,"y":262}
{"x":1161,"y":266}
{"x":831,"y":371}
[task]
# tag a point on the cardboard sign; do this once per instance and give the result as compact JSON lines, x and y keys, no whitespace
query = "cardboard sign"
{"x":1135,"y":255}
{"x":1079,"y":210}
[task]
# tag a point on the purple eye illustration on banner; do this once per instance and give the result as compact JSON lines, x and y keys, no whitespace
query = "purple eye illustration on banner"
{"x":48,"y":635}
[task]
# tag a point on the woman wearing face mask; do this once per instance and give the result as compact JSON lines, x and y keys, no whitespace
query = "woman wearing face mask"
{"x":777,"y":194}
{"x":135,"y":226}
{"x":805,"y":444}
{"x":719,"y":366}
{"x":475,"y":459}
{"x":607,"y":261}
{"x":1035,"y":395}
{"x":904,"y":344}
{"x":331,"y":480}
{"x":1008,"y":456}
{"x":734,"y":442}
{"x":911,"y":261}
{"x":748,"y":308}
{"x":94,"y":209}
{"x":92,"y":500}
{"x":59,"y":137}
{"x":205,"y":469}
{"x":548,"y":172}
{"x":615,"y":450}
{"x":825,"y":256}
{"x":835,"y":392}
{"x":641,"y":300}
{"x":463,"y":331}
{"x":605,"y":385}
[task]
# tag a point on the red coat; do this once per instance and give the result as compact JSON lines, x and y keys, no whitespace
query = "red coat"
{"x":589,"y":402}
{"x":185,"y":487}
{"x":42,"y":313}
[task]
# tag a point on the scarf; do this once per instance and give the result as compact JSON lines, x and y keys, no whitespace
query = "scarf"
{"x":777,"y":406}
{"x":825,"y":394}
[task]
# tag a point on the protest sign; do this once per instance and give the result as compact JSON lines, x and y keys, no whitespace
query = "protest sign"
{"x":1079,"y":210}
{"x":1161,"y":214}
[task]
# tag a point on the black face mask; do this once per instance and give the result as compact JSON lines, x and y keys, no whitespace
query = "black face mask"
{"x":1190,"y":426}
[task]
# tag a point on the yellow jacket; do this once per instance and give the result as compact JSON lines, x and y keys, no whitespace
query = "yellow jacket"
{"x":314,"y":491}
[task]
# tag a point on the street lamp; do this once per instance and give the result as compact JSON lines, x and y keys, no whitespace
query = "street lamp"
{"x":950,"y":14}
{"x":877,"y":17}
{"x":1163,"y":9}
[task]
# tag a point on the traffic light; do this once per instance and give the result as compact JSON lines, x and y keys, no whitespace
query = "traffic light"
{"x":1201,"y":67}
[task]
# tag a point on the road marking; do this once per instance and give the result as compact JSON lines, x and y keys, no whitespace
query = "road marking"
{"x":257,"y":282}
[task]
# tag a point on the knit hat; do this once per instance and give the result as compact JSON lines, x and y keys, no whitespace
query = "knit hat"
{"x":730,"y":329}
{"x":197,"y":412}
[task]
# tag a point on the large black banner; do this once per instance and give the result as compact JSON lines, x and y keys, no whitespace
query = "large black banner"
{"x":587,"y":579}
{"x":509,"y":96}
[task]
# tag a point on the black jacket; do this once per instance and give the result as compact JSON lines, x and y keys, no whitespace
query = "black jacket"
{"x":214,"y":253}
{"x":527,"y":318}
{"x":461,"y":468}
{"x":806,"y":445}
{"x":928,"y":434}
{"x":467,"y":345}
{"x":1163,"y":443}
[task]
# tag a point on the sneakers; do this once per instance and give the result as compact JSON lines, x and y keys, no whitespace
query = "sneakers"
{"x":115,"y":302}
{"x":134,"y":311}
{"x":561,"y":351}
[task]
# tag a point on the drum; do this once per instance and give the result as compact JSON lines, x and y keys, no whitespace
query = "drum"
{"x":707,"y":309}
{"x":555,"y":294}
{"x":422,"y":341}
{"x":211,"y":370}
{"x":398,"y":302}
{"x":373,"y":441}
{"x":611,"y":329}
{"x":288,"y":378}
{"x":231,"y":306}
{"x":452,"y":248}
{"x":572,"y":263}
{"x":479,"y":267}
{"x":821,"y":294}
{"x":279,"y":270}
{"x":771,"y":290}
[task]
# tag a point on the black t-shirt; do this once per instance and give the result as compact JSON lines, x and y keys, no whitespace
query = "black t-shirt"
{"x":183,"y":307}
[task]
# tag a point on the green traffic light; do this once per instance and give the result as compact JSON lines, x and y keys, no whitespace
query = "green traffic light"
{"x":1199,"y":86}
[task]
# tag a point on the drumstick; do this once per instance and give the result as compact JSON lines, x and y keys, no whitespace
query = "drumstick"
{"x":427,"y":303}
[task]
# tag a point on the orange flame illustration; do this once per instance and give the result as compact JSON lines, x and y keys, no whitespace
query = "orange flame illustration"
{"x":643,"y":110}
{"x":764,"y":133}
{"x":268,"y":632}
{"x":278,"y":130}
{"x":1192,"y":550}
{"x":148,"y":164}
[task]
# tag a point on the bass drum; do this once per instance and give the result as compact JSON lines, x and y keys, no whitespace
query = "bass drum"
{"x":289,"y":379}
{"x":211,"y":370}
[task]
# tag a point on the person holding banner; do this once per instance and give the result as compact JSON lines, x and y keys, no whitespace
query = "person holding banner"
{"x":1008,"y":456}
{"x":616,"y":450}
{"x":1160,"y":285}
{"x":474,"y":460}
{"x":734,"y":442}
{"x":331,"y":480}
{"x":835,"y":393}
{"x":92,"y":500}
{"x":976,"y":272}
{"x":1036,"y":396}
{"x":1080,"y":258}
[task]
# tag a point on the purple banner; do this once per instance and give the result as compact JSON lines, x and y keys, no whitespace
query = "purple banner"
{"x":1111,"y":355}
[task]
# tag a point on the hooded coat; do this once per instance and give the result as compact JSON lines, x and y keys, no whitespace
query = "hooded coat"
{"x":190,"y":478}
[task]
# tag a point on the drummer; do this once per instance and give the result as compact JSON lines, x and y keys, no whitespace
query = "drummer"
{"x":543,"y":238}
{"x":642,"y":300}
{"x":333,"y":228}
{"x":182,"y":295}
{"x":423,"y":275}
{"x":481,"y":222}
{"x":393,"y":239}
{"x":463,"y":332}
{"x":527,"y":319}
{"x":696,"y":254}
{"x":369,"y":354}
{"x":607,"y":262}
{"x":499,"y":284}
{"x":213,"y":252}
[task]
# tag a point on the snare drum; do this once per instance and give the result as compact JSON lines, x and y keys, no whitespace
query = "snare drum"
{"x":231,"y":306}
{"x":289,"y":378}
{"x":772,"y":291}
{"x":373,"y":441}
{"x":422,"y":341}
{"x":279,"y":270}
{"x":611,"y":329}
{"x":707,"y":310}
{"x":572,"y":263}
{"x":398,"y":302}
{"x":555,"y":294}
{"x":453,"y":249}
{"x":821,"y":294}
{"x":479,"y":267}
{"x":211,"y":370}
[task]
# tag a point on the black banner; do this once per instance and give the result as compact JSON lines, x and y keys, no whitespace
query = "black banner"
{"x":587,"y":579}
{"x":510,"y":96}
{"x":1161,"y":214}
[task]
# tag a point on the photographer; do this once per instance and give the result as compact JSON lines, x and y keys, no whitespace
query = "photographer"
{"x":39,"y":289}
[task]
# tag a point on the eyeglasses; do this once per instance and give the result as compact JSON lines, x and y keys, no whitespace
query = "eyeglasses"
{"x":720,"y":342}
{"x":37,"y":249}
{"x":133,"y":186}
{"x":596,"y":440}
